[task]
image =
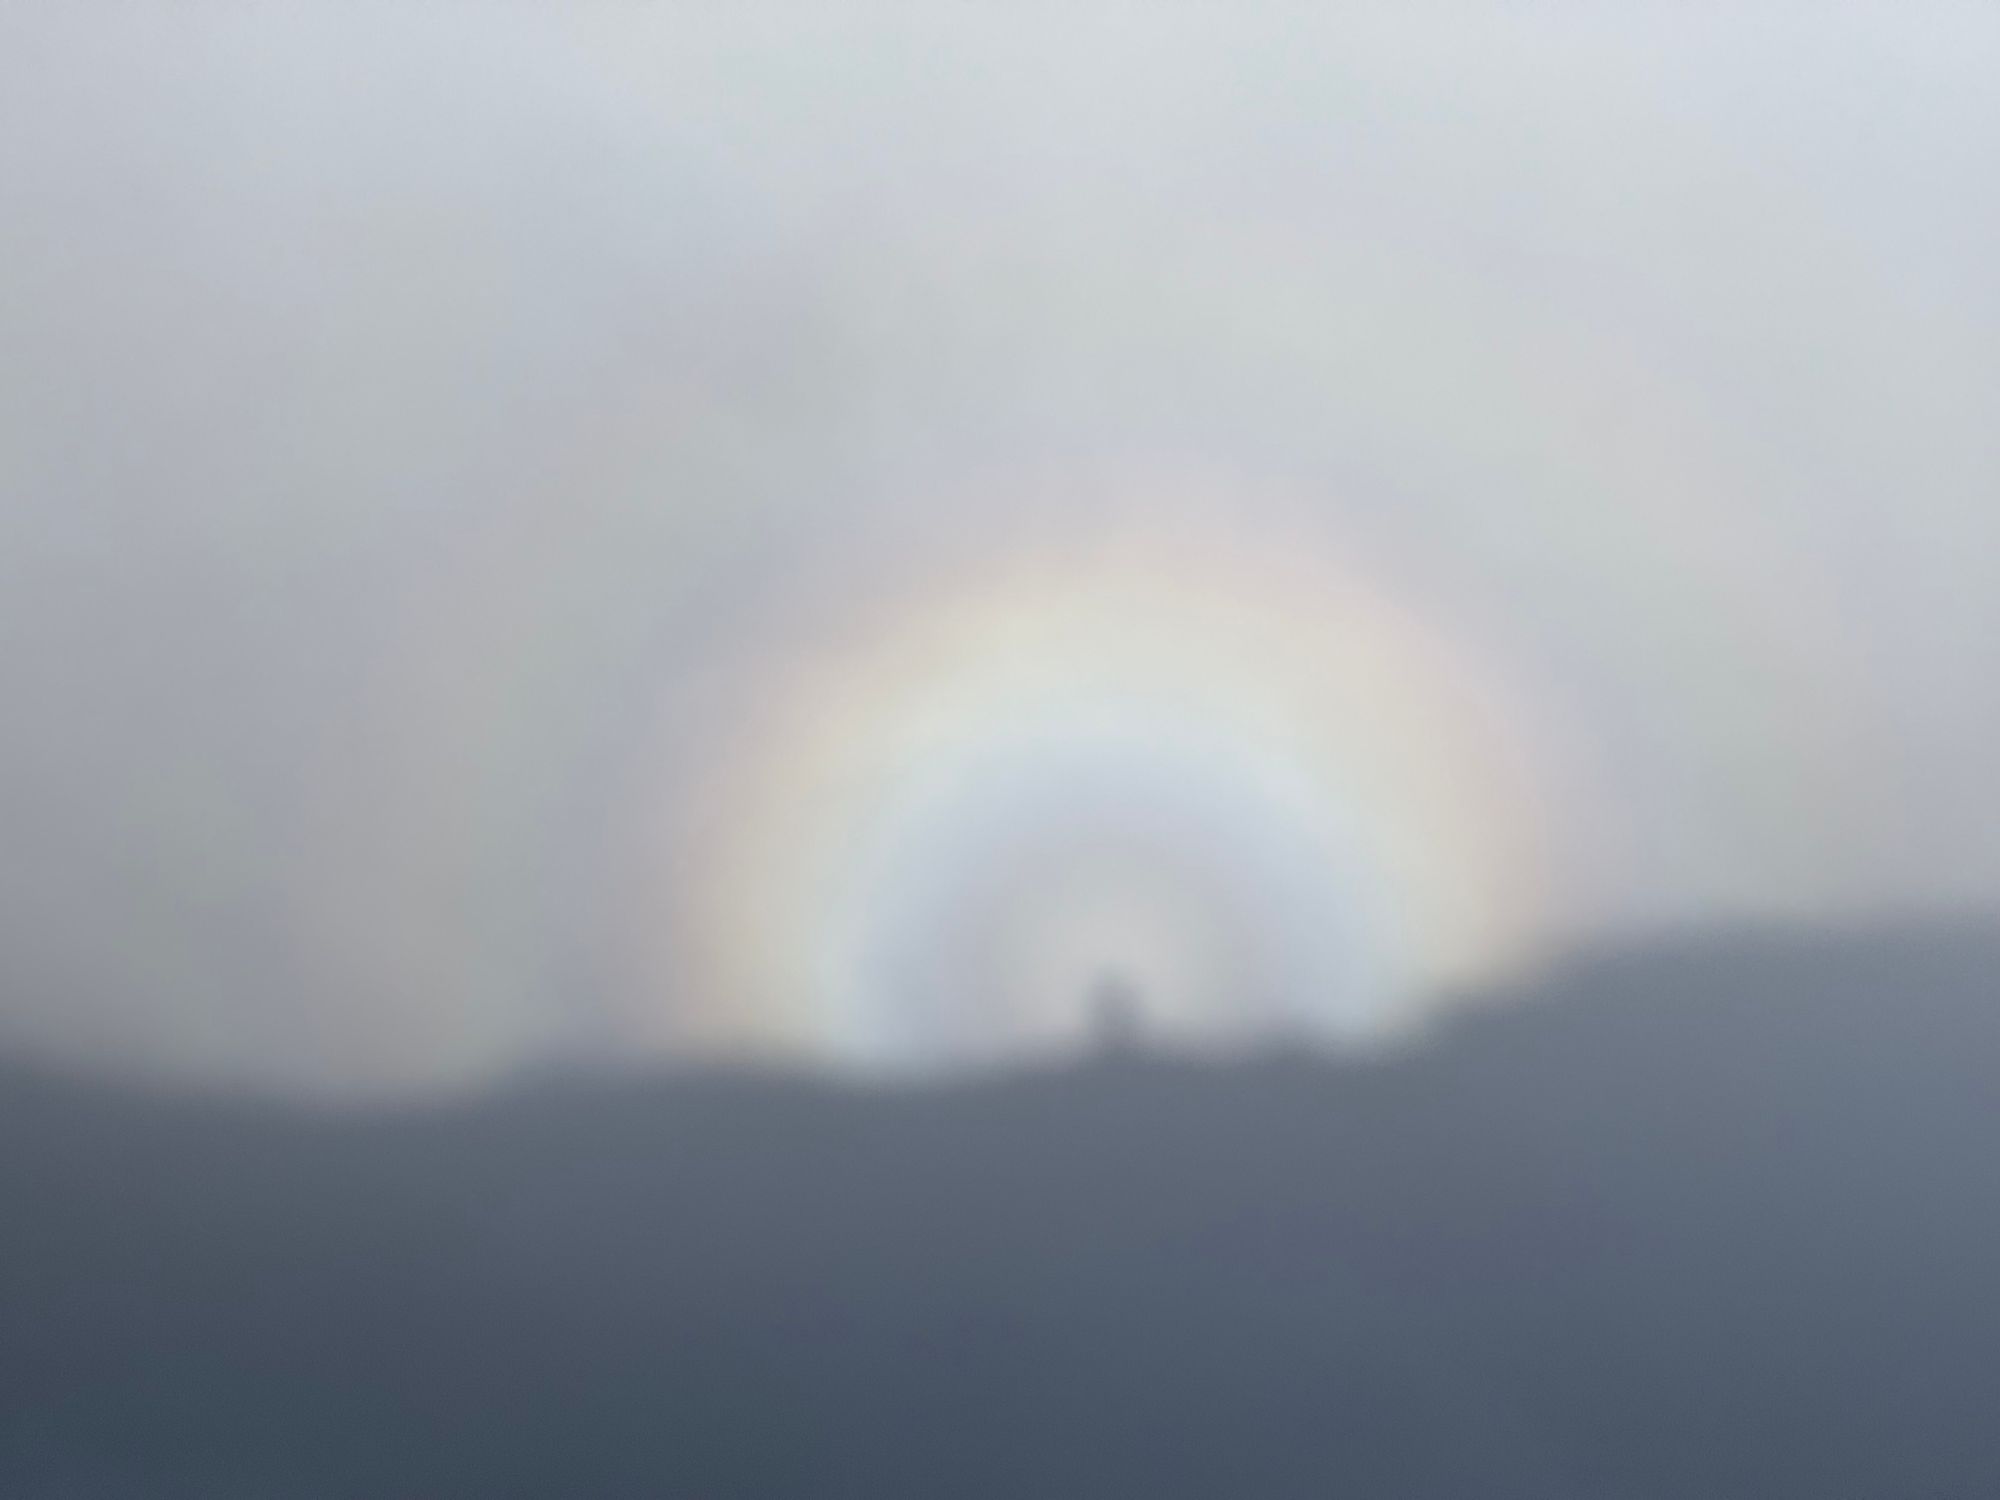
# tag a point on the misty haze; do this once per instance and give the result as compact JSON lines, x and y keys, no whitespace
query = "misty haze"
{"x":1100,"y":750}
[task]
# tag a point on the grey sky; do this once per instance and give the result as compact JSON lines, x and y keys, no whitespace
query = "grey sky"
{"x":432,"y":435}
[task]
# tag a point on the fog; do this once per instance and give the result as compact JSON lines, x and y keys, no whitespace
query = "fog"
{"x":845,"y":750}
{"x":694,"y":532}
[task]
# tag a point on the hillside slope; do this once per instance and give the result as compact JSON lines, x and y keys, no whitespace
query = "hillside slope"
{"x":1717,"y":1221}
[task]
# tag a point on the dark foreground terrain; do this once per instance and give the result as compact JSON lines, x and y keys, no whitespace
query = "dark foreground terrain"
{"x":1710,"y":1223}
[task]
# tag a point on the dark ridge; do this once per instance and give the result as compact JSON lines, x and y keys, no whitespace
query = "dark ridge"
{"x":1718,"y":1219}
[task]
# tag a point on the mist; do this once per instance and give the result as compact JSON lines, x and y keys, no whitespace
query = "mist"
{"x":536,"y":533}
{"x":1009,"y":752}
